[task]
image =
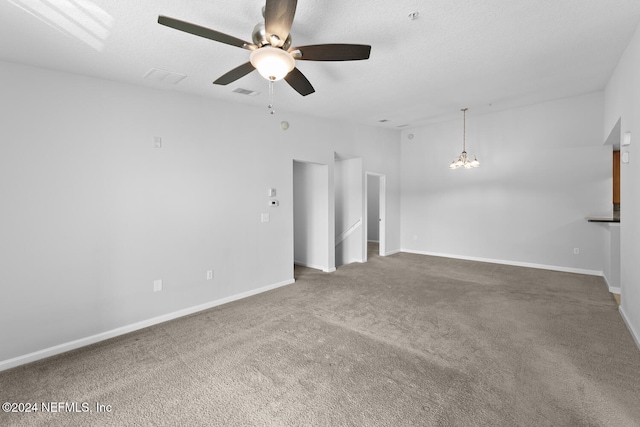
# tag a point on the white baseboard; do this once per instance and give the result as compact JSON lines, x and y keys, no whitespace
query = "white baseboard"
{"x":612,"y":289}
{"x":82,"y":342}
{"x":634,"y":333}
{"x":395,"y":251}
{"x":373,"y":241}
{"x":314,"y":266}
{"x":507,"y":262}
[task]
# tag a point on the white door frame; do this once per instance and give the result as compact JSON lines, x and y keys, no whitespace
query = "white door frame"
{"x":382,"y":227}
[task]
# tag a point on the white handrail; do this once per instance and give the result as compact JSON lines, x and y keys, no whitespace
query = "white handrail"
{"x":348,"y":232}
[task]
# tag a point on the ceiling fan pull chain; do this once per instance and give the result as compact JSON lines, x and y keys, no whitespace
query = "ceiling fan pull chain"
{"x":270,"y":106}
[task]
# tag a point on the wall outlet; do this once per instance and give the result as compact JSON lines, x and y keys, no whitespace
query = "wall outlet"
{"x":157,"y":142}
{"x":576,"y":251}
{"x":157,"y":285}
{"x":209,"y":274}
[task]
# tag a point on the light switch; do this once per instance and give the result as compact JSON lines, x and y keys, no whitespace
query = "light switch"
{"x":157,"y":142}
{"x":625,"y":157}
{"x":272,"y":192}
{"x":264,"y":217}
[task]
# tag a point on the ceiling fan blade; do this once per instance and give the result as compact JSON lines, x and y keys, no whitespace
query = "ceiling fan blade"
{"x":235,"y":74}
{"x":207,"y":33}
{"x":278,"y":18}
{"x":299,"y":82}
{"x":332,"y":52}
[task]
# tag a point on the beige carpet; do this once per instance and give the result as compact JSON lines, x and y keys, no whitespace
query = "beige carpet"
{"x":400,"y":340}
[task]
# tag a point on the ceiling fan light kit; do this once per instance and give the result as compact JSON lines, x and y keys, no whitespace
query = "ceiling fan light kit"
{"x":464,"y":160}
{"x":271,"y":51}
{"x":272,"y":63}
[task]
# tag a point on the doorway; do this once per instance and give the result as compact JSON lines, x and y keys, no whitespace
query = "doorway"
{"x":375,"y":211}
{"x":311,"y":215}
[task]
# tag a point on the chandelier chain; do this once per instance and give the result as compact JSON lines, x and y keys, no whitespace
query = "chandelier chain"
{"x":464,"y":129}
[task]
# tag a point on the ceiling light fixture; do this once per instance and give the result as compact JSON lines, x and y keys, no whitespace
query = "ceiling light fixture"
{"x":272,"y":63}
{"x":463,"y":159}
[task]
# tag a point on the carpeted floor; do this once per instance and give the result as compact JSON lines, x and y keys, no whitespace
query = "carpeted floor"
{"x":401,"y":340}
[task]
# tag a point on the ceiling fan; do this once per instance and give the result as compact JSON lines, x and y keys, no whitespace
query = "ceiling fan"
{"x":271,"y":51}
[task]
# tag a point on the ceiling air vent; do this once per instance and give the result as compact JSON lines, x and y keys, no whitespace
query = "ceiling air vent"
{"x":164,"y":76}
{"x":245,"y":92}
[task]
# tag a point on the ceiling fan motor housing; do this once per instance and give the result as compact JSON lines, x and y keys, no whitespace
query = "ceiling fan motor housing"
{"x":259,"y":38}
{"x":259,"y":35}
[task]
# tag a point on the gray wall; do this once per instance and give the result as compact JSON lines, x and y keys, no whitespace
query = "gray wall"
{"x":543,"y":169}
{"x":622,"y":100}
{"x":92,"y":213}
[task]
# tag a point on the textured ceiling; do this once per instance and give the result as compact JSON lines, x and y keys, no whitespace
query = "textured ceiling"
{"x":485,"y":55}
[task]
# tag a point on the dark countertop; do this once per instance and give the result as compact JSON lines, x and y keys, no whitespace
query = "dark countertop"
{"x":605,"y":218}
{"x":602,"y":219}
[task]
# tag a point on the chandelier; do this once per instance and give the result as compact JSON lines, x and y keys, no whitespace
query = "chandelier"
{"x":463,"y":161}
